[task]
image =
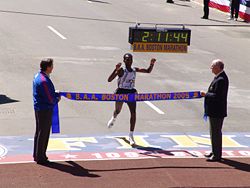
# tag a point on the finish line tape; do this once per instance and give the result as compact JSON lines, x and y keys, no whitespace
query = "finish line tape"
{"x":131,"y":97}
{"x":122,"y":98}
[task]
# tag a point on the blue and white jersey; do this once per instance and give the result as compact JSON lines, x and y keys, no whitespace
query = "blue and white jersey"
{"x":127,"y":81}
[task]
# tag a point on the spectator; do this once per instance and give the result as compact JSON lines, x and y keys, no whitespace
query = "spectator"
{"x":216,"y":108}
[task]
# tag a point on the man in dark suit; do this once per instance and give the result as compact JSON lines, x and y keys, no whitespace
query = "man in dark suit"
{"x":216,"y":108}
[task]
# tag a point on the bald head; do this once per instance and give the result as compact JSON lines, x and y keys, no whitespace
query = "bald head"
{"x":217,"y":66}
{"x":218,"y":63}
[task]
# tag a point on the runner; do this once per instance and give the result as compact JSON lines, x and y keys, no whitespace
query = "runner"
{"x":126,"y":83}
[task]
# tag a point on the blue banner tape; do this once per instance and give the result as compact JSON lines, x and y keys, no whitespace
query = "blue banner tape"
{"x":55,"y":120}
{"x":131,"y":97}
{"x":120,"y":97}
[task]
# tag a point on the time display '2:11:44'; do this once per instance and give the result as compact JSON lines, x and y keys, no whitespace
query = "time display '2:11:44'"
{"x":162,"y":37}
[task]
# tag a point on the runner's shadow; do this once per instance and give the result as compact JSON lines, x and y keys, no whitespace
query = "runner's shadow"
{"x":4,"y":99}
{"x":73,"y":168}
{"x":236,"y":164}
{"x":153,"y":151}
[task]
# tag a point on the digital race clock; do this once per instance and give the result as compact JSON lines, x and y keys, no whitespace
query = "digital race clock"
{"x":146,"y":39}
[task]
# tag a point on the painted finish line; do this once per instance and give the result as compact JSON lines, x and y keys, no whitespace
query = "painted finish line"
{"x":115,"y":146}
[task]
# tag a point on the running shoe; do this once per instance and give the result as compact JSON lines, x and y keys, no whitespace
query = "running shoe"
{"x":131,"y":140}
{"x":111,"y":122}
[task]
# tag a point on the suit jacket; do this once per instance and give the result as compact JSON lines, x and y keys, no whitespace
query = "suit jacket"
{"x":216,"y":97}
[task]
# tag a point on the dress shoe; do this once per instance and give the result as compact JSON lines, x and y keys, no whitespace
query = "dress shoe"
{"x":213,"y":159}
{"x":40,"y":159}
{"x":43,"y":162}
{"x":208,"y":155}
{"x":170,"y":1}
{"x":204,"y":17}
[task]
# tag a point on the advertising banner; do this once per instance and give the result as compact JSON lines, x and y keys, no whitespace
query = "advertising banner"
{"x":224,"y":5}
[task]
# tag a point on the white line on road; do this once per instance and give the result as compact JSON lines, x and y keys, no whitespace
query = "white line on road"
{"x":154,"y":107}
{"x":56,"y":32}
{"x":104,"y":48}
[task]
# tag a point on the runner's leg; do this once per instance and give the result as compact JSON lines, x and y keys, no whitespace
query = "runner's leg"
{"x":118,"y":107}
{"x":132,"y":109}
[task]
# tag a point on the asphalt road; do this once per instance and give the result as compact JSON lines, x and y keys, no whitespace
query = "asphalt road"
{"x":92,"y":37}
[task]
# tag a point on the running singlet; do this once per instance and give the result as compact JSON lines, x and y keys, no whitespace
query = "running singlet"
{"x":127,"y":81}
